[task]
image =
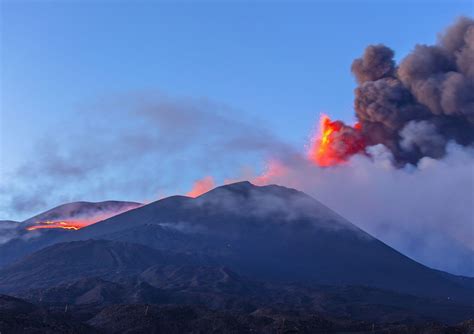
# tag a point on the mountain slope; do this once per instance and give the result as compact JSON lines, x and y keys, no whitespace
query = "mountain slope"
{"x":8,"y":230}
{"x":269,"y":233}
{"x":65,"y":262}
{"x":222,"y":289}
{"x":277,"y":234}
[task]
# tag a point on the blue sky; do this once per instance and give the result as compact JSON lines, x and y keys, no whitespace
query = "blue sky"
{"x":281,"y":62}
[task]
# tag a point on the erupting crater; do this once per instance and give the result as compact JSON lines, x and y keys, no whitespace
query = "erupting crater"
{"x":335,"y":142}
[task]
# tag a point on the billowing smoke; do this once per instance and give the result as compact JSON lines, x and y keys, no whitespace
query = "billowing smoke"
{"x":417,"y":107}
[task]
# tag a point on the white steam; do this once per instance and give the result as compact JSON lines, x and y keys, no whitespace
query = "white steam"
{"x":425,"y":212}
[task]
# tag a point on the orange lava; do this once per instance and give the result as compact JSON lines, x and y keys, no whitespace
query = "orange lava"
{"x":201,"y":186}
{"x":65,"y":225}
{"x":335,"y":142}
{"x":77,"y":222}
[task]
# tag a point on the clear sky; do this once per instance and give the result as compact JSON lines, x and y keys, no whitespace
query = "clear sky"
{"x":281,"y":62}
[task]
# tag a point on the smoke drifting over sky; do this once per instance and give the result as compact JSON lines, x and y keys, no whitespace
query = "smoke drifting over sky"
{"x":95,"y":160}
{"x":412,"y":184}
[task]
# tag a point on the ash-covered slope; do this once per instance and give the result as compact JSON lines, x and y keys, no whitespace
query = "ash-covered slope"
{"x":274,"y":233}
{"x":19,"y":316}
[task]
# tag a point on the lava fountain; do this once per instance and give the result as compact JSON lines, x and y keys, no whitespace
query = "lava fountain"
{"x":335,"y":142}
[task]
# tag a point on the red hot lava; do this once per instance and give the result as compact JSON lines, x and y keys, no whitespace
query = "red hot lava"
{"x":65,"y":225}
{"x":74,"y":223}
{"x":335,"y":142}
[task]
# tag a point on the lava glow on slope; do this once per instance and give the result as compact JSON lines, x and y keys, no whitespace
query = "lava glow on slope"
{"x":201,"y":186}
{"x":335,"y":142}
{"x":74,"y":222}
{"x":65,"y":225}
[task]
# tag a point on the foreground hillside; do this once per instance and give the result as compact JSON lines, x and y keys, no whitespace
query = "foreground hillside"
{"x":99,"y":273}
{"x":19,"y":316}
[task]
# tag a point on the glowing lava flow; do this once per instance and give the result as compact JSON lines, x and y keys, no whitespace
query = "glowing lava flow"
{"x":335,"y":142}
{"x":74,"y":222}
{"x":65,"y":225}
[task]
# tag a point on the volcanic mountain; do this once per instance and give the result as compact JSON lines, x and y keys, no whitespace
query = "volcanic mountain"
{"x":272,"y":233}
{"x":241,"y":248}
{"x":94,"y":274}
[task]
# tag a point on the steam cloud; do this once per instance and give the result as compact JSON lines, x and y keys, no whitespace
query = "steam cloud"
{"x":424,"y":212}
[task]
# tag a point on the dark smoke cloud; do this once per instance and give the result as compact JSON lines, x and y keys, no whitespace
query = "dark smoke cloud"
{"x":377,"y":63}
{"x":416,"y":108}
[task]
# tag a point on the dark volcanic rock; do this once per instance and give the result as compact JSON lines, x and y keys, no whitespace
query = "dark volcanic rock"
{"x":18,"y":316}
{"x":81,"y":259}
{"x":179,"y":319}
{"x":219,"y":288}
{"x":172,"y":319}
{"x":15,"y":305}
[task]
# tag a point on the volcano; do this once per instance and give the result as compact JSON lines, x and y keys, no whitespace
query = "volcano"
{"x":240,"y":246}
{"x":272,"y":233}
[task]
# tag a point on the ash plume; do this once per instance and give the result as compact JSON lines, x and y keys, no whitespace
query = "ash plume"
{"x":417,"y":107}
